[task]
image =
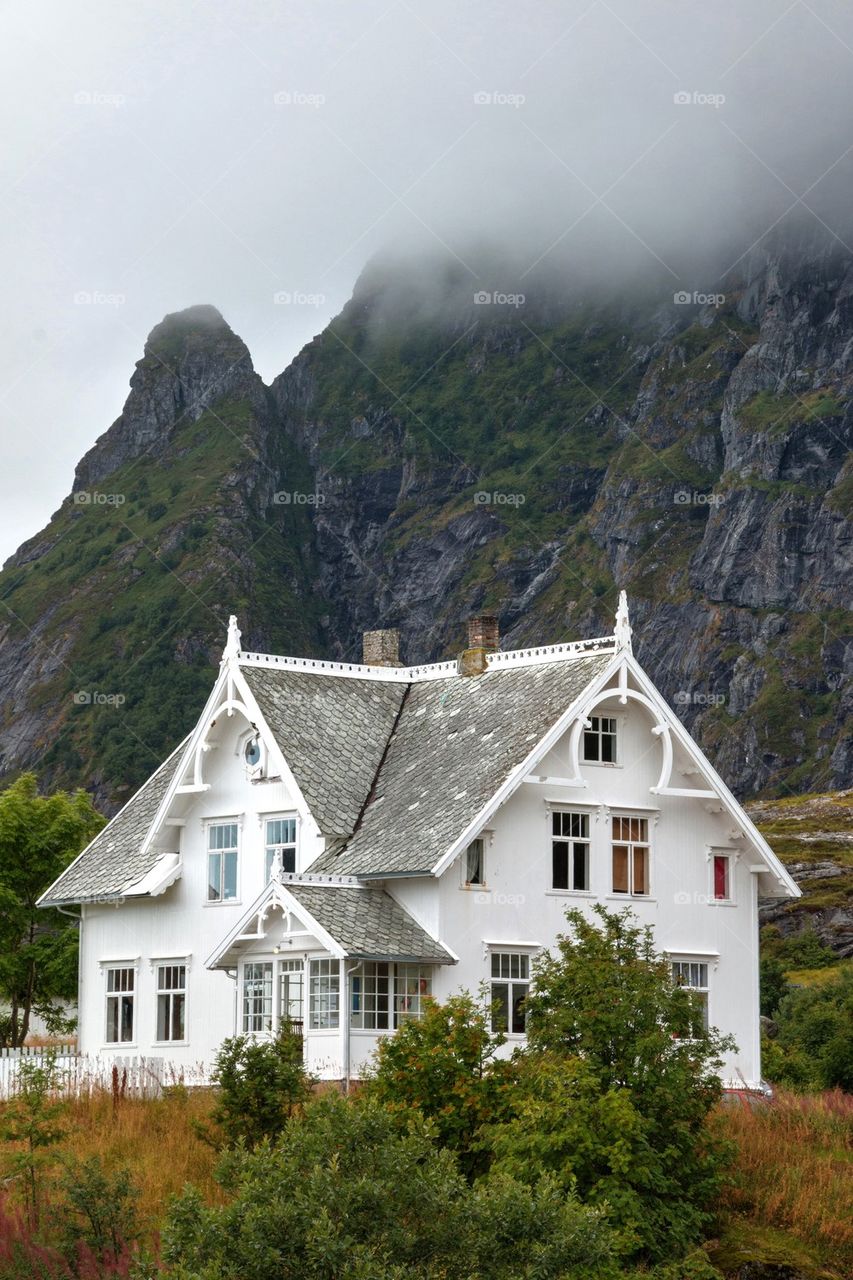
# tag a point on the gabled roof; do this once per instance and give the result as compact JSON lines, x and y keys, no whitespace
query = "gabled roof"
{"x":332,"y":733}
{"x":361,"y":922}
{"x":456,"y":741}
{"x":116,"y":860}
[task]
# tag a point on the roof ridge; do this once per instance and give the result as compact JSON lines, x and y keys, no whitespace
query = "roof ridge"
{"x":503,"y":658}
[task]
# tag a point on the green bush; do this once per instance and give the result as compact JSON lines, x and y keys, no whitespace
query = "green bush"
{"x":813,"y":1047}
{"x":607,"y":999}
{"x":345,"y":1195}
{"x":442,"y":1065}
{"x":260,"y":1083}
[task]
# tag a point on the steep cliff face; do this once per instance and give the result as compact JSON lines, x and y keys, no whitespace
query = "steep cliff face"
{"x":430,"y":455}
{"x":697,"y":455}
{"x":114,"y":614}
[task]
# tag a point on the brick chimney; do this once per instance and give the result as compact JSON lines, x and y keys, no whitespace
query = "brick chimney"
{"x":381,"y":648}
{"x":483,"y":638}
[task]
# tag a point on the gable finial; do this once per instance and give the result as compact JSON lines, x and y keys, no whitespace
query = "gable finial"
{"x":232,"y":644}
{"x":622,"y":630}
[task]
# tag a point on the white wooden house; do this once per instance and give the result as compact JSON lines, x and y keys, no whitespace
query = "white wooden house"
{"x":333,"y":842}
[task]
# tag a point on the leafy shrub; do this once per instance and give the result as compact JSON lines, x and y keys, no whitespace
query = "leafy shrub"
{"x":442,"y":1065}
{"x":345,"y":1195}
{"x":260,"y":1083}
{"x":608,"y":999}
{"x":99,"y":1209}
{"x":813,"y":1048}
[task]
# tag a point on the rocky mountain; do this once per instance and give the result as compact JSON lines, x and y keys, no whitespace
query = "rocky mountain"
{"x":441,"y":449}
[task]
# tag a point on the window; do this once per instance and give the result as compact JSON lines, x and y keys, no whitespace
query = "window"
{"x":475,"y":864}
{"x":694,"y":974}
{"x":631,"y":855}
{"x":257,"y":996}
{"x":279,"y":844}
{"x":411,"y":983}
{"x":121,"y":989}
{"x":222,"y":843}
{"x":599,"y":740}
{"x":171,"y":1001}
{"x":721,"y":868}
{"x":510,"y":985}
{"x":570,"y":851}
{"x":291,"y":994}
{"x":325,"y":994}
{"x":252,"y":752}
{"x":372,"y":997}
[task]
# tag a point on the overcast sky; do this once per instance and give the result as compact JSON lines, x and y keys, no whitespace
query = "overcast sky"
{"x":164,"y":153}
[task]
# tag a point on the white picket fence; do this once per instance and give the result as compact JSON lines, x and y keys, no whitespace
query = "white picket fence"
{"x":78,"y":1073}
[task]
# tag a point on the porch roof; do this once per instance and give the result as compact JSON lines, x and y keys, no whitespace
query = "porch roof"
{"x":353,"y":921}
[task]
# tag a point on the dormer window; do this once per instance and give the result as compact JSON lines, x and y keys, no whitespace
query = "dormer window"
{"x":252,"y":752}
{"x":599,"y":740}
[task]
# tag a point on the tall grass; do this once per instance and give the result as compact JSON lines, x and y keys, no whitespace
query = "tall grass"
{"x":156,"y":1138}
{"x":793,"y":1167}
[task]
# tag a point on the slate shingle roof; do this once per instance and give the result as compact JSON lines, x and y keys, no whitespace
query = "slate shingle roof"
{"x":115,"y":858}
{"x":332,"y":733}
{"x":367,"y":922}
{"x":456,"y":741}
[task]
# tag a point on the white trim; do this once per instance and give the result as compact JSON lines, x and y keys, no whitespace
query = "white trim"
{"x":434,"y":670}
{"x":514,"y":780}
{"x":729,"y":803}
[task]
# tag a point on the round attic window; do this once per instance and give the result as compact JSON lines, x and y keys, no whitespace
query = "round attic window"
{"x":252,"y":752}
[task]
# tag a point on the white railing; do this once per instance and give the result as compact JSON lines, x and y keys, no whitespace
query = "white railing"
{"x":77,"y":1073}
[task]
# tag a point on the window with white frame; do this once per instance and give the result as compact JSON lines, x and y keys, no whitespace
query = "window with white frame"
{"x":475,"y":862}
{"x":291,"y":994}
{"x":721,"y":877}
{"x":693,"y":974}
{"x":222,"y":852}
{"x":171,"y":1002}
{"x":121,"y":994}
{"x":279,"y":845}
{"x":324,"y":994}
{"x":599,"y":740}
{"x":570,"y":851}
{"x":412,"y":983}
{"x":372,"y":996}
{"x":509,"y":989}
{"x":631,"y":855}
{"x":257,"y":996}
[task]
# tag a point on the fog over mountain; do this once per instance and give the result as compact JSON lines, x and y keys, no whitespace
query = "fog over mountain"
{"x":256,"y":155}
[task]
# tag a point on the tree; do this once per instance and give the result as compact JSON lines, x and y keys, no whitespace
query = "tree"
{"x":641,"y":1059}
{"x":39,"y":836}
{"x":345,"y":1195}
{"x":32,"y":1122}
{"x":442,"y":1065}
{"x":261,"y":1082}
